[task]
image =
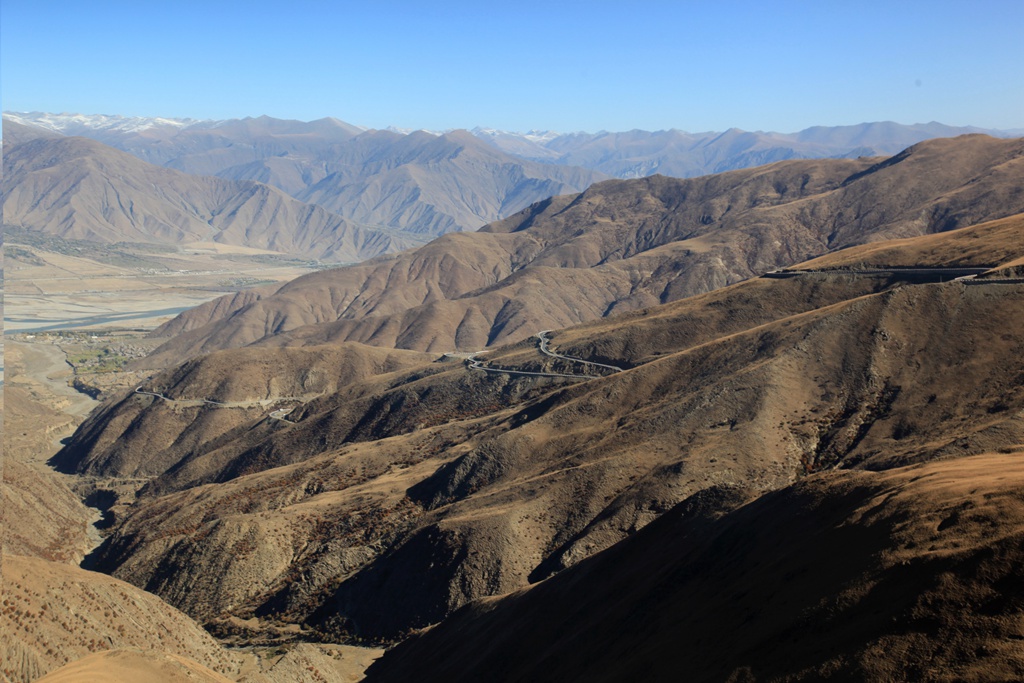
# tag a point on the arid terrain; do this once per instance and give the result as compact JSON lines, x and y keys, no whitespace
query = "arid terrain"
{"x":54,"y":613}
{"x":849,"y":575}
{"x":54,"y":285}
{"x":619,"y":246}
{"x":322,"y":189}
{"x":468,"y":483}
{"x":763,"y":425}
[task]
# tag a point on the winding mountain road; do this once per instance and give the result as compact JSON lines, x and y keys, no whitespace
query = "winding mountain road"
{"x":278,"y":414}
{"x":923,"y":274}
{"x":474,"y":364}
{"x":545,"y":340}
{"x":965,"y":275}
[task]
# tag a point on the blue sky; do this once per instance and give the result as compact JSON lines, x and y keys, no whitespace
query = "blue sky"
{"x":572,"y":66}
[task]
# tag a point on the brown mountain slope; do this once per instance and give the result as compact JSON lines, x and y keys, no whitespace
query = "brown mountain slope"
{"x":989,"y":243}
{"x":128,"y":666}
{"x":623,"y":245}
{"x":145,"y":435}
{"x":80,"y":189}
{"x":619,"y":451}
{"x":910,"y":574}
{"x":432,"y":184}
{"x":96,"y":628}
{"x":54,"y":614}
{"x":533,"y":475}
{"x":221,"y":307}
{"x":121,"y":439}
{"x":304,"y":663}
{"x":640,"y":336}
{"x":42,"y":517}
{"x":419,"y":183}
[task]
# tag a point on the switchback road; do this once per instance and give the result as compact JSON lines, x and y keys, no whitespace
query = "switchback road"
{"x":544,"y":340}
{"x":474,"y":364}
{"x":276,"y":414}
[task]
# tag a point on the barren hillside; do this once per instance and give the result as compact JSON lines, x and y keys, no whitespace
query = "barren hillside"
{"x":620,"y":246}
{"x":419,"y":184}
{"x":81,"y":189}
{"x":893,"y":576}
{"x":398,"y":498}
{"x":55,"y":613}
{"x":127,"y":666}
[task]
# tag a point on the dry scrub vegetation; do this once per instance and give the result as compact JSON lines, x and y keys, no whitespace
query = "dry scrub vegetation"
{"x":400,"y":497}
{"x":800,"y":476}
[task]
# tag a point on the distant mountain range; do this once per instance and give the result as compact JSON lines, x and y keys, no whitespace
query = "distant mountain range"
{"x":76,"y":188}
{"x":422,"y":184}
{"x":627,"y":154}
{"x":638,"y":153}
{"x":428,"y":183}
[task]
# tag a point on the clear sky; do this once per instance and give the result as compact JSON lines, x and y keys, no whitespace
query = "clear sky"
{"x":565,"y":66}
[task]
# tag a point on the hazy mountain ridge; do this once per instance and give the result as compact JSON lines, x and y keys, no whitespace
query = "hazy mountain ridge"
{"x":621,"y":245}
{"x":78,"y":188}
{"x":429,"y":183}
{"x":105,"y":127}
{"x":418,"y":183}
{"x":638,"y":153}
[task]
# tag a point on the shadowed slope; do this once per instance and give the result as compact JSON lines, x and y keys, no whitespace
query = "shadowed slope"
{"x":910,"y":574}
{"x":415,"y":522}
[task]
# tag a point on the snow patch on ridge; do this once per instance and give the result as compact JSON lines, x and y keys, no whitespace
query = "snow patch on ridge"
{"x":69,"y":123}
{"x":409,"y":131}
{"x":538,"y":136}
